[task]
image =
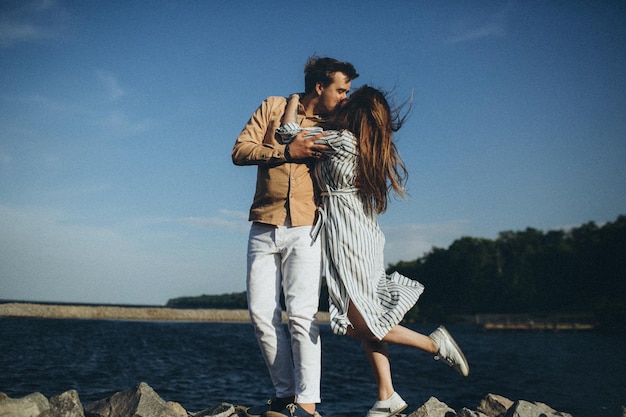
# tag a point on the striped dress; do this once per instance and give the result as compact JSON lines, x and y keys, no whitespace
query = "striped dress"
{"x":353,"y":246}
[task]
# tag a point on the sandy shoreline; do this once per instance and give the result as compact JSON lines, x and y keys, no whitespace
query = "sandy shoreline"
{"x":34,"y":310}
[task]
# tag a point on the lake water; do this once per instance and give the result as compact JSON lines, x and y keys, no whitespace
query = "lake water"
{"x":201,"y":365}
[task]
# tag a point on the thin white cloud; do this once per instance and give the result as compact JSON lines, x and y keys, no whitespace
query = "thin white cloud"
{"x":493,"y":29}
{"x":44,"y":102}
{"x":241,"y":215}
{"x":46,"y":255}
{"x":112,"y":123}
{"x":113,"y":88}
{"x":491,"y":26}
{"x":407,"y":242}
{"x":116,"y":121}
{"x":14,"y":32}
{"x":226,"y":220}
{"x":30,"y":21}
{"x":119,"y":124}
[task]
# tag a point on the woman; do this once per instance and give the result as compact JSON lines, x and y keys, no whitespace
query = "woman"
{"x":365,"y":302}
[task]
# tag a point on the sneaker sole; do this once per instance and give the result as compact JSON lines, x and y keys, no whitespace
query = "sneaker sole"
{"x":397,"y":411}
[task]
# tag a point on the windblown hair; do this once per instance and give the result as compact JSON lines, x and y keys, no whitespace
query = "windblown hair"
{"x":369,"y":117}
{"x":321,"y":70}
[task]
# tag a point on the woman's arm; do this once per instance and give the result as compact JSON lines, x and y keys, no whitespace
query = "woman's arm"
{"x":291,"y":111}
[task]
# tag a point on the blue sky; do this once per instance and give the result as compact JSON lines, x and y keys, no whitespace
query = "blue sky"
{"x":117,"y":119}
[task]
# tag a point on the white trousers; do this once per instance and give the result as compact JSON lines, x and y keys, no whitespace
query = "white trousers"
{"x":286,"y":257}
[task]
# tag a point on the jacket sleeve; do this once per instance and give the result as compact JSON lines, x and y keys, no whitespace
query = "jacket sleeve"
{"x":255,"y":145}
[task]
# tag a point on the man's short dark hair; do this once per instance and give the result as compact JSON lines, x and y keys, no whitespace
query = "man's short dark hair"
{"x":321,"y":70}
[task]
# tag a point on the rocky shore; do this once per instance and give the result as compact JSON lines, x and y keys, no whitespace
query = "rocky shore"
{"x":143,"y":401}
{"x":62,"y":311}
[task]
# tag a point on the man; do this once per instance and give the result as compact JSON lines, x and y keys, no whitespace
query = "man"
{"x":281,"y":253}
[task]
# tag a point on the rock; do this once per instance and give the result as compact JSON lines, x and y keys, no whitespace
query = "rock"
{"x":222,"y":410}
{"x":494,"y":405}
{"x":433,"y":408}
{"x":31,"y":405}
{"x":176,"y":407}
{"x":524,"y":408}
{"x":141,"y":401}
{"x":65,"y":405}
{"x":466,"y":412}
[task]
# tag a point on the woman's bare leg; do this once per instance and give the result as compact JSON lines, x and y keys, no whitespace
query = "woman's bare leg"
{"x":379,"y":361}
{"x":375,"y":350}
{"x":398,"y":335}
{"x":401,"y":335}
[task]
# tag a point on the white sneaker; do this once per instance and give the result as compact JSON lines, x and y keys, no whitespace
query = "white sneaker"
{"x":449,"y":351}
{"x":387,"y":408}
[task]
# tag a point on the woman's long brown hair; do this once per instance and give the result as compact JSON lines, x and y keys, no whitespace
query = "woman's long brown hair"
{"x":368,"y":115}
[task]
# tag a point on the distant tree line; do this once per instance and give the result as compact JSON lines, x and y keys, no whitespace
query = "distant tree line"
{"x":234,"y":301}
{"x":580,"y":271}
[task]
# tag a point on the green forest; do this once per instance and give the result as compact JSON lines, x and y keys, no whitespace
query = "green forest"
{"x":581,"y":271}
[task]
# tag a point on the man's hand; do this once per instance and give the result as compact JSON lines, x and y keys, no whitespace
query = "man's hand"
{"x":301,"y":147}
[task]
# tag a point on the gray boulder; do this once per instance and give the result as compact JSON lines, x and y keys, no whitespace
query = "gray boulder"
{"x":65,"y":405}
{"x":32,"y":405}
{"x":494,"y":405}
{"x":141,"y":401}
{"x":433,"y":408}
{"x":523,"y":408}
{"x":222,"y":410}
{"x":466,"y":412}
